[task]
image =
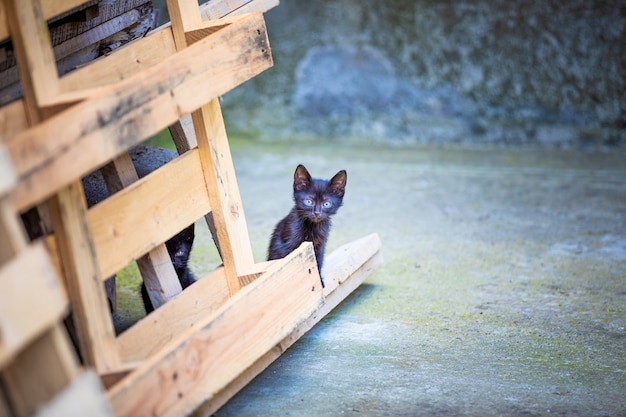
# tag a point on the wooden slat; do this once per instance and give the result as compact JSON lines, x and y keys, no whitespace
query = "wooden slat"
{"x":159,"y":276}
{"x":123,"y":229}
{"x":136,"y":108}
{"x":156,"y":268}
{"x":227,"y":209}
{"x":33,"y":51}
{"x":343,"y":261}
{"x":85,"y":288}
{"x":49,"y":8}
{"x":7,"y":175}
{"x":185,"y":16}
{"x":216,"y":9}
{"x":12,"y":120}
{"x":215,"y":155}
{"x":151,"y":334}
{"x":40,"y":372}
{"x":31,"y":300}
{"x":84,"y":396}
{"x":203,"y":361}
{"x":150,"y":50}
{"x":98,"y":33}
{"x":13,"y":238}
{"x":183,"y":135}
{"x":368,"y":250}
{"x":125,"y":62}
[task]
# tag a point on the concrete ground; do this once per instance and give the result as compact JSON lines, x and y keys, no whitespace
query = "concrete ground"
{"x":503,"y":290}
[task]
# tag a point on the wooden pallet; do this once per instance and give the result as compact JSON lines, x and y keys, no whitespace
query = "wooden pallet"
{"x":201,"y":345}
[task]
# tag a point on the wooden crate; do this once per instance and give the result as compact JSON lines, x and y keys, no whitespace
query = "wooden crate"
{"x":204,"y":344}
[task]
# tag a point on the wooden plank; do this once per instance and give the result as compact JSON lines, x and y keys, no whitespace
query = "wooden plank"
{"x":40,"y":372}
{"x":84,"y":396}
{"x":351,"y":278}
{"x":155,"y":267}
{"x":143,"y":53}
{"x":75,"y":50}
{"x":128,"y":60}
{"x":215,"y":9}
{"x":159,"y":276}
{"x":135,"y":108}
{"x":206,"y":29}
{"x":227,"y":214}
{"x":186,"y":22}
{"x":31,"y":300}
{"x":124,"y":63}
{"x":79,"y":21}
{"x":251,"y":7}
{"x":33,"y":52}
{"x":96,"y":34}
{"x":135,"y":220}
{"x":207,"y":358}
{"x":354,"y":278}
{"x":151,"y":334}
{"x":13,"y":238}
{"x":90,"y":307}
{"x":49,"y":8}
{"x":185,"y":16}
{"x":111,"y":378}
{"x":343,"y":261}
{"x":183,"y":135}
{"x":12,"y":120}
{"x":7,"y":175}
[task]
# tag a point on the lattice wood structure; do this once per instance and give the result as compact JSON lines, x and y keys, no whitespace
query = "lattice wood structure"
{"x":201,"y":345}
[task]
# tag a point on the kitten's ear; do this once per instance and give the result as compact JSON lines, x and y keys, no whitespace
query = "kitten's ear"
{"x":337,"y":184}
{"x":301,"y":179}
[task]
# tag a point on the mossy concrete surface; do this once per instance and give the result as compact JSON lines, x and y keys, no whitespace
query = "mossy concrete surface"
{"x":503,"y":291}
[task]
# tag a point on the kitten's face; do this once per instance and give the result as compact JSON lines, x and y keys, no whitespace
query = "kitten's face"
{"x":317,"y":200}
{"x":179,"y":247}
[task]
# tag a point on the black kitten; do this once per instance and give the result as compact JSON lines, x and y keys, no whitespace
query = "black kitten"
{"x":309,"y":220}
{"x":179,"y":249}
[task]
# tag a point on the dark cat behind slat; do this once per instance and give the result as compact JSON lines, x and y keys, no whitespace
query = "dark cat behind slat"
{"x":309,"y":220}
{"x":147,"y":159}
{"x":179,"y":249}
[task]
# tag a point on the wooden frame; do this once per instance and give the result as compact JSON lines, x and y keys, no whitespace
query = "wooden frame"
{"x":202,"y":345}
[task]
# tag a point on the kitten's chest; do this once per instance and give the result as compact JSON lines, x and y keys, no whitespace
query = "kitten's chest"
{"x":315,"y":232}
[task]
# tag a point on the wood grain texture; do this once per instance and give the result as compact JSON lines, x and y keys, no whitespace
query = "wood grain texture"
{"x":148,"y":212}
{"x":368,"y":250}
{"x":84,"y":396}
{"x":134,"y":109}
{"x":49,"y":9}
{"x":156,"y":267}
{"x":33,"y":52}
{"x":31,"y":300}
{"x":227,"y":208}
{"x":40,"y":372}
{"x":12,"y":120}
{"x":84,"y":284}
{"x":203,"y":361}
{"x":126,"y":61}
{"x":162,"y":326}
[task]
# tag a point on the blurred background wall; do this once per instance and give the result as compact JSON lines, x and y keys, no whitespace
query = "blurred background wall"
{"x":551,"y":73}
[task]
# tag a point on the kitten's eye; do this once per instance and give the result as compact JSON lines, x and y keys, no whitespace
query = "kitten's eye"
{"x":327,"y":204}
{"x":308,"y":202}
